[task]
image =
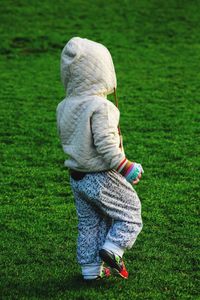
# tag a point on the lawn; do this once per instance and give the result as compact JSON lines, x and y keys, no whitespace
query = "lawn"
{"x":156,"y":51}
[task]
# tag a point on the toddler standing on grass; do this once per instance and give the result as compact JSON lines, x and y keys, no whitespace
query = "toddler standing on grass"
{"x":101,"y":177}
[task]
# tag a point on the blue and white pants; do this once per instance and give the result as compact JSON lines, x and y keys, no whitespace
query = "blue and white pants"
{"x":109,"y":216}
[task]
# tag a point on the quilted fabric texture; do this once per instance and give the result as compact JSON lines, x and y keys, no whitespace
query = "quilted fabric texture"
{"x":87,"y":121}
{"x":87,"y":68}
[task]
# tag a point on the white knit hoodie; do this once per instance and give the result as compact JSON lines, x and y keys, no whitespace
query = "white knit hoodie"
{"x":87,"y":121}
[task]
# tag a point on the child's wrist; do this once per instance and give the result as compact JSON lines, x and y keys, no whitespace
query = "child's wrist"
{"x":133,"y":172}
{"x":129,"y":169}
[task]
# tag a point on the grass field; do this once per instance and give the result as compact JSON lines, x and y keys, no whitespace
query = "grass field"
{"x":156,"y":50}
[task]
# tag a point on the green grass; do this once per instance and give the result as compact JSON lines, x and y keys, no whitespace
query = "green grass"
{"x":156,"y":50}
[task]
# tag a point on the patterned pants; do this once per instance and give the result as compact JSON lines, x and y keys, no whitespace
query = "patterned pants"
{"x":108,"y":208}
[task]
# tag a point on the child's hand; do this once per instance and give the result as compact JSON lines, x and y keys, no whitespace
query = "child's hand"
{"x":137,"y":173}
{"x":138,"y":178}
{"x":132,"y":171}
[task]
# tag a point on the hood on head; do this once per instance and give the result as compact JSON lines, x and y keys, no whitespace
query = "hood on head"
{"x":87,"y":68}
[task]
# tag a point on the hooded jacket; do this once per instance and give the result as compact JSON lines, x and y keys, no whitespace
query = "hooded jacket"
{"x":87,"y":122}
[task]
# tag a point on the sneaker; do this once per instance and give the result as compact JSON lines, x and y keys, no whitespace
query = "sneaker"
{"x":114,"y":261}
{"x":105,"y":273}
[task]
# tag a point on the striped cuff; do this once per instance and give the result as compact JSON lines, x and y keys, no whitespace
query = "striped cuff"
{"x":122,"y":165}
{"x":129,"y":169}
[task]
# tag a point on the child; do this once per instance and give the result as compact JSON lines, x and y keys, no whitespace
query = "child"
{"x":108,"y":208}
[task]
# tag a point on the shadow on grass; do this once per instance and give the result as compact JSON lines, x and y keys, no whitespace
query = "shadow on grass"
{"x":53,"y":287}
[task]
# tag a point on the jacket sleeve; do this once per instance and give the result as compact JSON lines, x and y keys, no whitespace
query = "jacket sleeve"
{"x":104,"y":125}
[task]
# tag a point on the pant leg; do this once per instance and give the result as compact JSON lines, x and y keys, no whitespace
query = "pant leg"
{"x":104,"y":227}
{"x":116,"y":198}
{"x":93,"y":227}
